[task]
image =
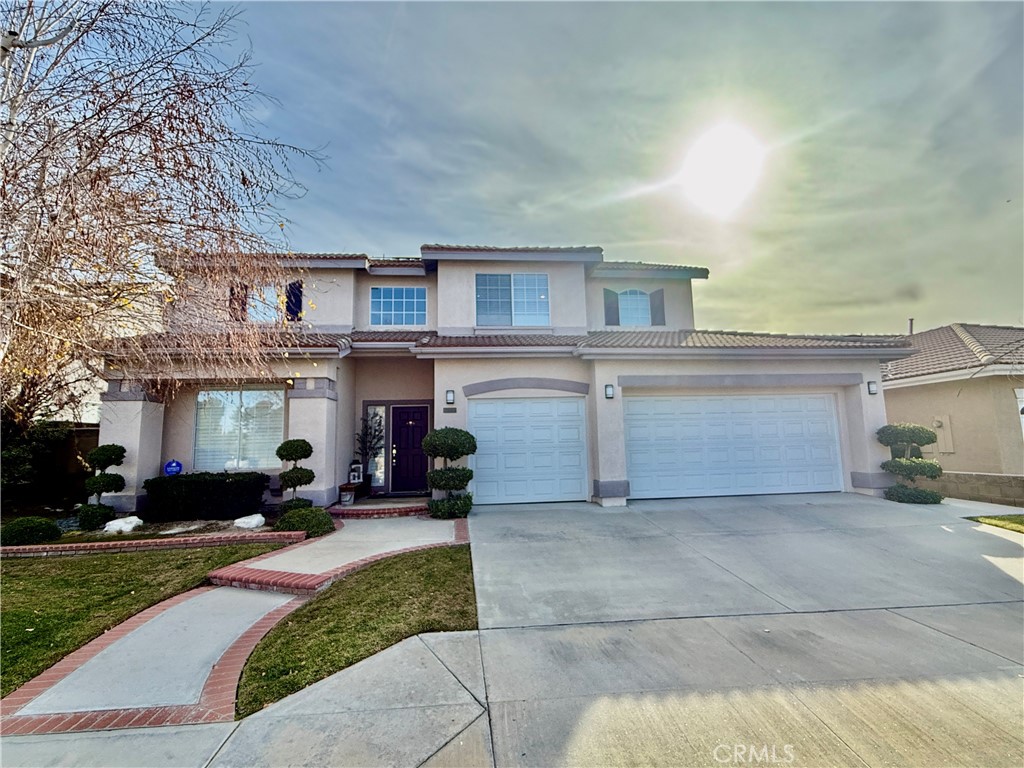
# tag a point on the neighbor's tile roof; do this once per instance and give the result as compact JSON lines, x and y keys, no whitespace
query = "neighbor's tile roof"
{"x":429,"y":247}
{"x":732,"y":340}
{"x":635,"y":266}
{"x":959,"y":346}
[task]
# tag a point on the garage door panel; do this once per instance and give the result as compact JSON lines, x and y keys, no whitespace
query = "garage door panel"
{"x":538,"y":447}
{"x":731,"y":444}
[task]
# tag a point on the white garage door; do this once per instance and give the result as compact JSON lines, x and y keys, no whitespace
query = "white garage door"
{"x":528,"y":450}
{"x":731,"y":445}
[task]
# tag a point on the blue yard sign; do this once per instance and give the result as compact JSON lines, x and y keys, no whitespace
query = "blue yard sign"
{"x":172,"y":467}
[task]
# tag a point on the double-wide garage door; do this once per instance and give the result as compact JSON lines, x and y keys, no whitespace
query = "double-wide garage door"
{"x":528,"y":450}
{"x":731,"y":445}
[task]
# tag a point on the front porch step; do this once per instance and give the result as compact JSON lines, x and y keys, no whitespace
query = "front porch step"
{"x":373,"y":513}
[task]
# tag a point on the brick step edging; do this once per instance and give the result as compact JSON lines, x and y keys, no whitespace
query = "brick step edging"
{"x":136,"y":545}
{"x":348,"y":513}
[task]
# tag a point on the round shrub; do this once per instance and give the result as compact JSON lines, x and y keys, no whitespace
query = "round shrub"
{"x":103,"y":456}
{"x":296,"y":476}
{"x":907,"y":495}
{"x":452,"y":507}
{"x":911,"y":468}
{"x":449,"y":478}
{"x":449,"y":443}
{"x":29,"y":530}
{"x":294,"y":450}
{"x":287,"y":506}
{"x":313,"y":520}
{"x":104,"y":483}
{"x":905,"y":434}
{"x":92,"y":517}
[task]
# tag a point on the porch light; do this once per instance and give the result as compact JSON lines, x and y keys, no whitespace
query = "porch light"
{"x":449,"y":396}
{"x":609,"y":391}
{"x":872,"y":387}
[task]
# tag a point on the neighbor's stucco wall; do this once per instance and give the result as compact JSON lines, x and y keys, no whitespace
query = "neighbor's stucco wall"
{"x":456,"y":293}
{"x":980,"y":418}
{"x":678,"y":301}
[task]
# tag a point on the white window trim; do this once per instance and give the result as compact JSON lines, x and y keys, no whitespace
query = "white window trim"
{"x":399,"y":326}
{"x":512,"y":296}
{"x":647,"y":295}
{"x":1020,"y":407}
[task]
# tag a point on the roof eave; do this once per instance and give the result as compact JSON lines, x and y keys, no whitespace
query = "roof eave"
{"x":958,"y":374}
{"x":717,"y":352}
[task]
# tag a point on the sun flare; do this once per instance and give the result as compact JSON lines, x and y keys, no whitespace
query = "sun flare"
{"x":721,"y":169}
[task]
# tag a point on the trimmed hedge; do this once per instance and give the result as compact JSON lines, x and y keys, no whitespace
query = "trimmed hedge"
{"x":29,"y":530}
{"x":449,"y":443}
{"x":104,"y":482}
{"x":903,"y":436}
{"x":449,"y":478}
{"x":313,"y":520}
{"x":908,"y":495}
{"x":92,"y":517}
{"x":452,"y":507}
{"x":296,"y":476}
{"x":294,"y":450}
{"x":296,"y":503}
{"x":204,"y":496}
{"x":103,"y":456}
{"x":911,"y":468}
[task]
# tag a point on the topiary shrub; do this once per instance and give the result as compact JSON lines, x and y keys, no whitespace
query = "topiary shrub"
{"x":313,"y":520}
{"x":294,"y":451}
{"x":907,"y":439}
{"x":203,"y":496}
{"x":449,"y":444}
{"x":291,"y":504}
{"x":449,"y":478}
{"x":92,"y":517}
{"x":29,"y":530}
{"x":101,"y":458}
{"x":906,"y":494}
{"x":451,"y":507}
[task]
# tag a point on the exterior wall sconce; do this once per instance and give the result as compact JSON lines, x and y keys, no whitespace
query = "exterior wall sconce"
{"x":872,"y":387}
{"x":449,"y":396}
{"x":609,"y":391}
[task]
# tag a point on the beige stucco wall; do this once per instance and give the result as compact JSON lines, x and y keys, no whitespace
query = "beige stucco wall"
{"x":456,"y":289}
{"x":678,"y":301}
{"x":364,"y":282}
{"x":980,"y":418}
{"x":327,"y":298}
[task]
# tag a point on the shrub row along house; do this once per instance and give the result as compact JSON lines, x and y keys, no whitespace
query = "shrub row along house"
{"x":581,"y":378}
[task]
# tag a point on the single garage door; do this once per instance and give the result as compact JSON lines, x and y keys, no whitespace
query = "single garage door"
{"x":731,"y":445}
{"x":528,"y":450}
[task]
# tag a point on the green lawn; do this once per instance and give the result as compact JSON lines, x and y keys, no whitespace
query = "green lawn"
{"x":428,"y":591}
{"x":52,"y":606}
{"x":1009,"y":522}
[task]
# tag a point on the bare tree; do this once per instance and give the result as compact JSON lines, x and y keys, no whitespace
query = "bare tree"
{"x":134,"y":180}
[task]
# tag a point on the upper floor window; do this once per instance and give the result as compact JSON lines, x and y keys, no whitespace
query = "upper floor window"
{"x":516,"y":299}
{"x":266,"y":304}
{"x":634,"y":307}
{"x":404,"y":305}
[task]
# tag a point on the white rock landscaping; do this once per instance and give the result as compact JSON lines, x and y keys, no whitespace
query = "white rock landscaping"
{"x":123,"y":525}
{"x":251,"y":521}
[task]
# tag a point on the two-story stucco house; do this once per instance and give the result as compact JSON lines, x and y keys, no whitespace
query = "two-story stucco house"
{"x":581,"y":378}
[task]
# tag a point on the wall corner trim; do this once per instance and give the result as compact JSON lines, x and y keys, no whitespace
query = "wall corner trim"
{"x":526,"y":382}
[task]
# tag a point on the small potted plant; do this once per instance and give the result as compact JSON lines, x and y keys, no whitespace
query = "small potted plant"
{"x":369,"y":443}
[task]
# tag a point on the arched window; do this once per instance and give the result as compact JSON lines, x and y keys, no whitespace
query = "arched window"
{"x":634,"y":307}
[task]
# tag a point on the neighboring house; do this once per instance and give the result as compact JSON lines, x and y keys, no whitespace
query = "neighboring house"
{"x":967,"y":383}
{"x":582,"y":379}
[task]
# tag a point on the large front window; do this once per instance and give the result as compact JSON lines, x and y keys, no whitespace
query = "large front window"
{"x":398,"y":306}
{"x":238,"y":429}
{"x":510,"y":300}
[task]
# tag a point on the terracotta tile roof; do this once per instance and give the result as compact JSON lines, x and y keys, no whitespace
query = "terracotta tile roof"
{"x":385,"y":337}
{"x":645,"y":266}
{"x":733,"y":340}
{"x":329,"y":256}
{"x":397,"y":261}
{"x":504,"y":340}
{"x":431,"y":247}
{"x":960,"y":346}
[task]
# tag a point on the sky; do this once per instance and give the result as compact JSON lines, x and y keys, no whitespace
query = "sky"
{"x":893,"y":186}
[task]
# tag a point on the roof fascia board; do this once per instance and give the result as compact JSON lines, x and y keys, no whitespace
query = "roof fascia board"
{"x":960,"y":374}
{"x":711,"y":352}
{"x":647,"y":274}
{"x":428,"y":353}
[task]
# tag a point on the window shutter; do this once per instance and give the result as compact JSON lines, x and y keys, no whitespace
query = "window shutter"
{"x":237,"y":300}
{"x":611,"y":307}
{"x":293,"y":301}
{"x":658,"y":307}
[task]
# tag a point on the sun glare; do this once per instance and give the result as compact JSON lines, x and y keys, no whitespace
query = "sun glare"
{"x":721,"y":169}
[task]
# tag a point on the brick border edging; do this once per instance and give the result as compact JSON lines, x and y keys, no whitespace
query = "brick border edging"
{"x":216,"y":702}
{"x":348,"y":513}
{"x":240,"y":576}
{"x":141,"y":545}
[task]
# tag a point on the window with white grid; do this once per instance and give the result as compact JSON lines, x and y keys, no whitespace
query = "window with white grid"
{"x":516,"y":299}
{"x":398,"y":306}
{"x":634,"y":308}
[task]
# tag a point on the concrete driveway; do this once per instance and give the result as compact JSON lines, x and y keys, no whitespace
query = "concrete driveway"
{"x":827,"y":629}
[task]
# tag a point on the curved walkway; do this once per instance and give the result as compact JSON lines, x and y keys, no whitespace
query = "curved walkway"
{"x":179,"y":661}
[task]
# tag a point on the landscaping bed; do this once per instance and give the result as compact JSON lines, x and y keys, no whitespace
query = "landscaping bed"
{"x":427,"y":591}
{"x":50,"y":607}
{"x":1009,"y":522}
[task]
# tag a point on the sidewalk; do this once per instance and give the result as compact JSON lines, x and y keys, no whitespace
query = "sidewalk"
{"x":179,"y":662}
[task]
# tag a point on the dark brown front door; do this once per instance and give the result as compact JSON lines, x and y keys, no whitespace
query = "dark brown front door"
{"x":408,"y":462}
